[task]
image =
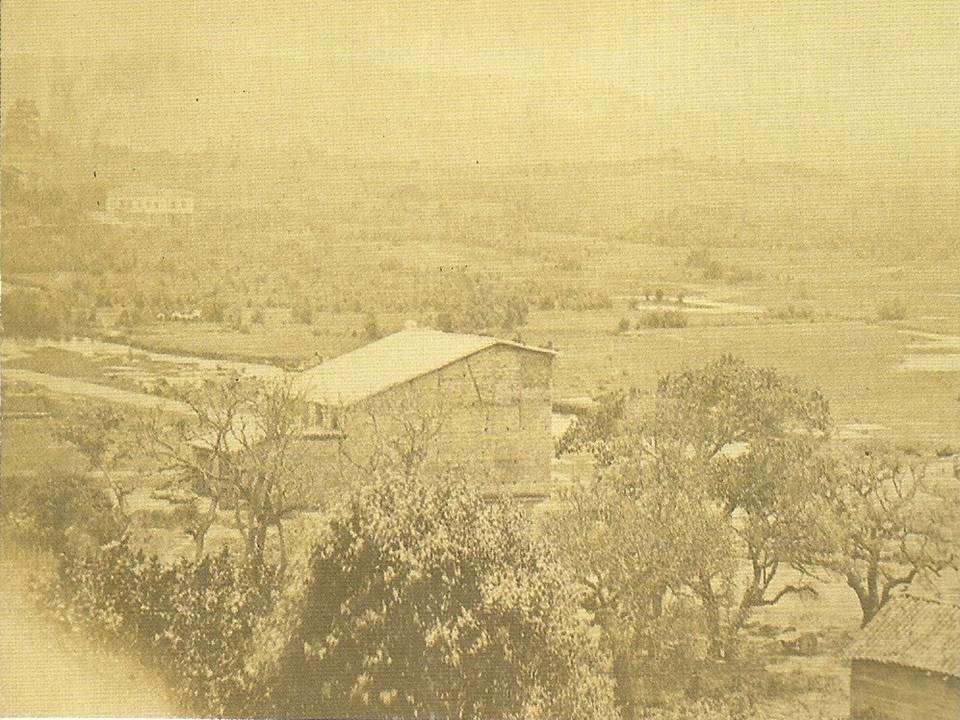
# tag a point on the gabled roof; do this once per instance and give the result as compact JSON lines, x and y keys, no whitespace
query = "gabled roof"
{"x":390,"y":361}
{"x":913,"y":632}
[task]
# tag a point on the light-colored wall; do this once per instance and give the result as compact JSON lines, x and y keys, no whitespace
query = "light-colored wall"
{"x":893,"y":692}
{"x":171,"y":205}
{"x":493,"y":410}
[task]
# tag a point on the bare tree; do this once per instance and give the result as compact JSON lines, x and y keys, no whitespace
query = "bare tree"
{"x":239,"y":449}
{"x":403,"y":434}
{"x":889,"y":524}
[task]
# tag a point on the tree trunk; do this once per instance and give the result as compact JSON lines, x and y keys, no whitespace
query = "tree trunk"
{"x":867,"y":596}
{"x":202,"y":526}
{"x":256,"y":541}
{"x":283,"y":546}
{"x":625,"y":689}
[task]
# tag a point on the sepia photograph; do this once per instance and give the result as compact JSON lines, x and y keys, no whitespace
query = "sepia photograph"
{"x":480,"y":359}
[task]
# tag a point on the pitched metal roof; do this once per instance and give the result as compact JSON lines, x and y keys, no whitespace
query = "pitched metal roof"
{"x":392,"y":360}
{"x":913,"y":632}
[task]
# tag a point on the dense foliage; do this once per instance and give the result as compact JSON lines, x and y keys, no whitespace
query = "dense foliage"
{"x":739,"y":441}
{"x":192,"y":619}
{"x":56,"y":510}
{"x":638,"y":547}
{"x":422,"y":598}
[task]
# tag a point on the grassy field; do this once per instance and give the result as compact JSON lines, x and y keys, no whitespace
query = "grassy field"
{"x":857,"y":361}
{"x":858,"y":365}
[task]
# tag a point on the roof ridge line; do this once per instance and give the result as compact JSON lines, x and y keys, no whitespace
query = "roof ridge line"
{"x":927,"y":599}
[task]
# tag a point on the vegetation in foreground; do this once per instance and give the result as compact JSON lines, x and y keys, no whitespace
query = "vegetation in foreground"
{"x":635,"y":595}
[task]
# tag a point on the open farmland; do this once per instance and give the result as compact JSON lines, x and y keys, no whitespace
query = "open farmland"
{"x":480,"y":360}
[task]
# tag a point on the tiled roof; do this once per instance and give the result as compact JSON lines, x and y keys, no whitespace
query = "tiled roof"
{"x":913,"y":632}
{"x":390,"y":361}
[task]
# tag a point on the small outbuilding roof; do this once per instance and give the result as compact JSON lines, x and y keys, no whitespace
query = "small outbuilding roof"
{"x":913,"y":632}
{"x":390,"y":361}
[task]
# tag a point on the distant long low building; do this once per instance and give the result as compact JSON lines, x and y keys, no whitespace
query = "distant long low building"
{"x":459,"y":400}
{"x":145,"y":202}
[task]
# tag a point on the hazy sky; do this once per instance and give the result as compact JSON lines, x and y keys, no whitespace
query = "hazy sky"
{"x":501,"y":79}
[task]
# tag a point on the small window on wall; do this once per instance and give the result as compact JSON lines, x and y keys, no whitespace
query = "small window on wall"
{"x":325,"y":417}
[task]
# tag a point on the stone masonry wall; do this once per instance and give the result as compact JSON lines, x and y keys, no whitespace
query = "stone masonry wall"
{"x":488,"y":414}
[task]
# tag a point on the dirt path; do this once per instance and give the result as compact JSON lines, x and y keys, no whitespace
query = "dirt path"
{"x":44,"y":671}
{"x":72,"y":386}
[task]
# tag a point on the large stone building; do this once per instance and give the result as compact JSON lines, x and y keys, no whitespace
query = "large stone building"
{"x":456,"y":400}
{"x":905,"y":664}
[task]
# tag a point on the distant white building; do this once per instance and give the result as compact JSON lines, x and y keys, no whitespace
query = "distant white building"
{"x":146,"y":202}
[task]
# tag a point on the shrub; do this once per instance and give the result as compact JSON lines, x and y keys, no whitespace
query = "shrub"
{"x":423,"y":599}
{"x":662,"y":319}
{"x":623,"y":326}
{"x":213,"y":310}
{"x":303,"y":311}
{"x":892,"y":311}
{"x":371,"y":329}
{"x":790,"y":313}
{"x":739,"y":275}
{"x":568,"y":263}
{"x":47,"y":512}
{"x":193,"y":619}
{"x":32,"y":313}
{"x":701,"y":257}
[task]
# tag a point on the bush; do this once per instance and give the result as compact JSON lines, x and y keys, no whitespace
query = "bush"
{"x":193,"y":620}
{"x":303,"y":311}
{"x":48,"y":512}
{"x":623,"y":326}
{"x":32,"y":313}
{"x":422,"y":599}
{"x":790,"y":313}
{"x":213,"y":310}
{"x":662,"y":319}
{"x":892,"y":311}
{"x":738,"y":275}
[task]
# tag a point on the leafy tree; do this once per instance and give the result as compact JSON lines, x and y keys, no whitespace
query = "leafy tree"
{"x":44,"y":512}
{"x":103,"y":435}
{"x":213,"y":310}
{"x":639,"y":545}
{"x":422,"y":599}
{"x":749,"y":440}
{"x":22,"y":124}
{"x":192,"y":620}
{"x":303,"y":310}
{"x":890,"y":524}
{"x":371,"y":329}
{"x":33,"y":313}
